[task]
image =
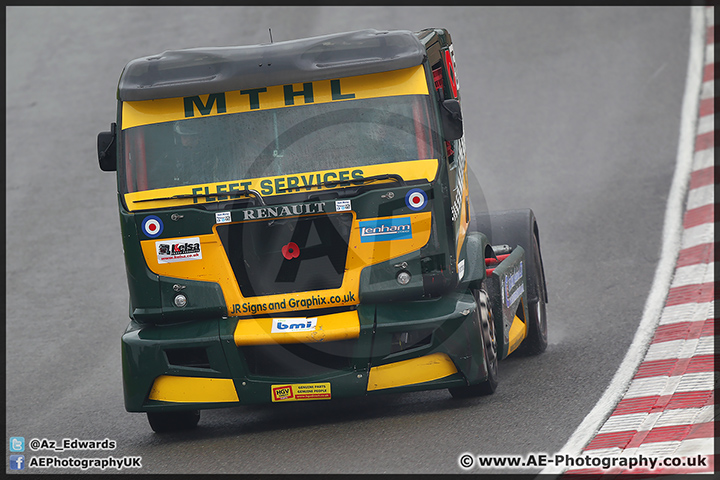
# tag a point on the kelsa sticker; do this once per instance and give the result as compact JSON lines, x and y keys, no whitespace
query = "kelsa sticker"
{"x":384,"y":230}
{"x":416,"y":199}
{"x":300,"y":391}
{"x":178,"y":250}
{"x":152,"y":226}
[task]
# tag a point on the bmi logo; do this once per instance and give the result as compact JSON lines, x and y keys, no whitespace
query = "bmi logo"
{"x":288,"y":325}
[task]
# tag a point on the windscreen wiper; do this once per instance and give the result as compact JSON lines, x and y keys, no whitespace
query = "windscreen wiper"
{"x":235,"y":193}
{"x":373,"y":178}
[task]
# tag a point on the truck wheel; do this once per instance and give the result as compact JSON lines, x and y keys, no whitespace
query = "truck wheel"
{"x":162,"y":422}
{"x":486,"y":324}
{"x":536,"y":341}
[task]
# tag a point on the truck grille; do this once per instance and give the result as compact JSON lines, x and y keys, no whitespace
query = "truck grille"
{"x":296,"y":360}
{"x":287,"y":255}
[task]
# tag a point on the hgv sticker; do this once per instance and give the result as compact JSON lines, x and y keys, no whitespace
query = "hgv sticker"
{"x":304,"y":391}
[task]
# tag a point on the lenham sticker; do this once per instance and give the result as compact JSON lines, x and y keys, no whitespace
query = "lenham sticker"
{"x":300,"y":391}
{"x":385,"y":229}
{"x":178,"y":250}
{"x":289,"y":325}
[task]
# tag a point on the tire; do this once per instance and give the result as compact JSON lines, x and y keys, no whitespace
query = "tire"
{"x":536,"y":341}
{"x":484,"y":321}
{"x":163,"y":422}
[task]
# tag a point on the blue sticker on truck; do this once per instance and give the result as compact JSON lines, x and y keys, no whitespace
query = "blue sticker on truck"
{"x":385,"y":230}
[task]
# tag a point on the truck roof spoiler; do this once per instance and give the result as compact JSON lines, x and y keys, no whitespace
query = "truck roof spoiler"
{"x":199,"y":71}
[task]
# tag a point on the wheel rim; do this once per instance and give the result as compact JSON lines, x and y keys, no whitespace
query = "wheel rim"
{"x":541,"y":318}
{"x":488,"y":332}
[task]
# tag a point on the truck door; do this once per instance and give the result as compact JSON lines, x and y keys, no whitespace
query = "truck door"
{"x":446,"y":83}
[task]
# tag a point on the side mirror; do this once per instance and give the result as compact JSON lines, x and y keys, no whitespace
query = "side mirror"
{"x":107,"y":151}
{"x":451,"y":119}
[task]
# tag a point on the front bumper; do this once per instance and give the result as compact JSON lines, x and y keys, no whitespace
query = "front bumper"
{"x":222,"y":362}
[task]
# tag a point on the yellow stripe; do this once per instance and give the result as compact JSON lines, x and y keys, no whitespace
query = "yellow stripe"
{"x":409,"y":372}
{"x":410,"y":170}
{"x":338,"y":326}
{"x":517,"y":334}
{"x":408,"y":81}
{"x":168,"y":388}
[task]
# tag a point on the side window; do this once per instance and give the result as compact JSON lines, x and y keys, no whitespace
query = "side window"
{"x":134,"y":163}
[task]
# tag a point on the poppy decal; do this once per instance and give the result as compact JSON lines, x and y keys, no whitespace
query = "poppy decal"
{"x":290,"y":251}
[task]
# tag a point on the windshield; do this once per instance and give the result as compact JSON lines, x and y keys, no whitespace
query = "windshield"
{"x":280,"y":141}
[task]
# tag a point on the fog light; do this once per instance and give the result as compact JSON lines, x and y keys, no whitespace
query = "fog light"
{"x":403,"y":277}
{"x":180,"y":300}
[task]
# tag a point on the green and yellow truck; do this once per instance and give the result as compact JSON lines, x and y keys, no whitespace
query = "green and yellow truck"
{"x":296,"y":226}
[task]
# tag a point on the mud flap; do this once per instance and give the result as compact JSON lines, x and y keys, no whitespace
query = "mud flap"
{"x":507,"y":288}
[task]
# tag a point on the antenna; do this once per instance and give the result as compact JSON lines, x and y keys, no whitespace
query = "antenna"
{"x":270,"y":31}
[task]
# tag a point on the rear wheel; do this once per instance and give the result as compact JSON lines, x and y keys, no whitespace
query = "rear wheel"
{"x":484,"y":321}
{"x":162,"y":422}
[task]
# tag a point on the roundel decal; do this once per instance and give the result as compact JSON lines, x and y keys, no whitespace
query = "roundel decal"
{"x":416,"y":199}
{"x":152,"y":226}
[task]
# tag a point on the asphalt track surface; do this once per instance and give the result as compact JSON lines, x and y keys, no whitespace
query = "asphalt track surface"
{"x":573,"y":112}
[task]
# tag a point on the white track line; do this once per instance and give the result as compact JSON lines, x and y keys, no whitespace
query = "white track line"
{"x":672,"y":234}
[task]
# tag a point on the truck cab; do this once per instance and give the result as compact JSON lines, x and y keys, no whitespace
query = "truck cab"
{"x":296,"y":226}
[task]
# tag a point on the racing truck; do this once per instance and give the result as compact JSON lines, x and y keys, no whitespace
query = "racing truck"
{"x":296,"y":226}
